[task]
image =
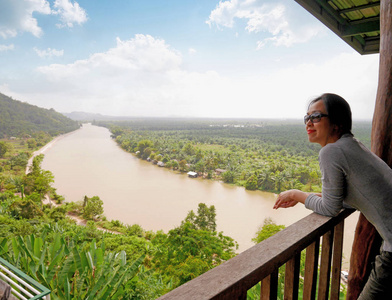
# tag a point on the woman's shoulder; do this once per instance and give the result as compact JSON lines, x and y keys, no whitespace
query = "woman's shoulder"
{"x":336,"y":149}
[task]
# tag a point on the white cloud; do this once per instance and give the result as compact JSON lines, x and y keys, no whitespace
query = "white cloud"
{"x":17,"y":16}
{"x":70,"y":13}
{"x":262,"y":17}
{"x":144,"y":76}
{"x":192,"y":51}
{"x":7,"y":47}
{"x":49,"y":52}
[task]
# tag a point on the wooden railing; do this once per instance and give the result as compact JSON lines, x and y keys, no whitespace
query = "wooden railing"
{"x":232,"y":279}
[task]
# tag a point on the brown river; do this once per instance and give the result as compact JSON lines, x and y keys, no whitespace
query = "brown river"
{"x":88,"y":162}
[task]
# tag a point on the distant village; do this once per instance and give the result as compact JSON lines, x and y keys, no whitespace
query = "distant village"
{"x":190,"y":174}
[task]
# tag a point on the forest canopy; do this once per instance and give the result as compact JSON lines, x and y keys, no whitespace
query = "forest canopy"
{"x":267,"y":155}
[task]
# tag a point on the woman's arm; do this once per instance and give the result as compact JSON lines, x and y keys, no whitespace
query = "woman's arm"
{"x":290,"y":198}
{"x":330,"y":202}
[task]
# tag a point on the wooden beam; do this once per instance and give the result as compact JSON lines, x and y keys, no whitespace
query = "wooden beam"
{"x":359,"y":7}
{"x":375,"y":19}
{"x":361,"y":28}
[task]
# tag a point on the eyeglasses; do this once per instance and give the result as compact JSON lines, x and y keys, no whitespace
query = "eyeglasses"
{"x":314,"y":117}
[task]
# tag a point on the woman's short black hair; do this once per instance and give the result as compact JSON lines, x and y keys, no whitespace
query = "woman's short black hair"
{"x":338,"y":110}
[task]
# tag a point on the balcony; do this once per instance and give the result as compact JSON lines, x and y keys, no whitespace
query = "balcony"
{"x":233,"y":279}
{"x":14,"y":284}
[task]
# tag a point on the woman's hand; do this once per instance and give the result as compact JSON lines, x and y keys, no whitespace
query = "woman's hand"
{"x":290,"y":198}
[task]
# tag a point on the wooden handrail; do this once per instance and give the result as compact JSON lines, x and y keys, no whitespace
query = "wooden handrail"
{"x":232,"y":279}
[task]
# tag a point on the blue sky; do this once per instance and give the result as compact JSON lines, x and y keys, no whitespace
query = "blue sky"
{"x":193,"y":58}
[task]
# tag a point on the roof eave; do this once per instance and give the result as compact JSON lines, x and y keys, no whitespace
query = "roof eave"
{"x":352,"y":35}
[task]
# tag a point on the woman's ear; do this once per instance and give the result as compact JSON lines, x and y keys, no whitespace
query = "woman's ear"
{"x":337,"y":129}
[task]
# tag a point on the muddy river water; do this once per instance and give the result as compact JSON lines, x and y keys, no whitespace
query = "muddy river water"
{"x":88,"y":162}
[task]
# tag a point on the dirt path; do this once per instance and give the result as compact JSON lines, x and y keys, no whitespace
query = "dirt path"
{"x":79,"y":221}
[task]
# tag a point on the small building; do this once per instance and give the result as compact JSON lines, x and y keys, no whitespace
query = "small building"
{"x":219,"y":171}
{"x":161,"y":164}
{"x":192,"y":174}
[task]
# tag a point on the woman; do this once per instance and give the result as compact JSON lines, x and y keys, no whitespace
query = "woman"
{"x":352,"y":176}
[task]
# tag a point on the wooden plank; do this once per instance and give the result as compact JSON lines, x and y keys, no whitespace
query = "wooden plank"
{"x":291,"y":283}
{"x":337,"y":261}
{"x":242,"y":272}
{"x":269,"y":286}
{"x":311,"y":268}
{"x":325,"y":266}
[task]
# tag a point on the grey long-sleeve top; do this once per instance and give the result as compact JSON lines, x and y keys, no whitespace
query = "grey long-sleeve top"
{"x":355,"y":177}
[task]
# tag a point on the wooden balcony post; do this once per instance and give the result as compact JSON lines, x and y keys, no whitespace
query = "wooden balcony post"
{"x":269,"y":286}
{"x":311,"y":268}
{"x":325,"y":265}
{"x":291,"y":283}
{"x":337,"y":261}
{"x":367,"y":241}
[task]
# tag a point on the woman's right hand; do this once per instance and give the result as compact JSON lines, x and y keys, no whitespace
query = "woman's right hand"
{"x":290,"y":198}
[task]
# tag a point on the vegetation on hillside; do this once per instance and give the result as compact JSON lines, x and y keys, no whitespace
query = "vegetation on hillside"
{"x":80,"y":262}
{"x":18,"y":119}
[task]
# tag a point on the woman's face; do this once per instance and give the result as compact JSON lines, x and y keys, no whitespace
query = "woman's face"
{"x":321,"y":132}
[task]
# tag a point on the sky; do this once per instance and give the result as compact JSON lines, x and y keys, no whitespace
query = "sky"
{"x":176,"y":58}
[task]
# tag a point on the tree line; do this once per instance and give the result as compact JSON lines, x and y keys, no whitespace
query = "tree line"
{"x":259,"y":155}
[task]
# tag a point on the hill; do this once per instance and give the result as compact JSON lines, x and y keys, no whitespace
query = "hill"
{"x":18,"y":118}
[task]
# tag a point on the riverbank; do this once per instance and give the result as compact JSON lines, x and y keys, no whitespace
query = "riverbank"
{"x":90,"y":163}
{"x":46,"y":148}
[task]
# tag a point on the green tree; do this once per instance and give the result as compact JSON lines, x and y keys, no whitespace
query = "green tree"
{"x":251,"y":183}
{"x":205,"y":219}
{"x":93,"y":207}
{"x":142,"y":145}
{"x":186,"y":252}
{"x":25,"y":209}
{"x":189,"y":149}
{"x":228,"y":177}
{"x":38,"y":180}
{"x":31,"y":143}
{"x":182,"y":165}
{"x":174,"y":164}
{"x":278,"y":178}
{"x":19,"y":160}
{"x":3,"y":148}
{"x":268,"y":229}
